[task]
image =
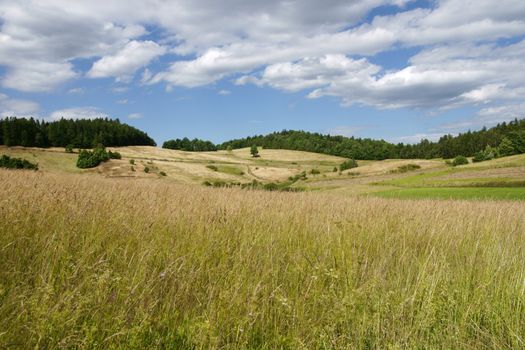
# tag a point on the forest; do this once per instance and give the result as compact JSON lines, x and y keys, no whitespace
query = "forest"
{"x":186,"y":144}
{"x":448,"y":146}
{"x":80,"y":133}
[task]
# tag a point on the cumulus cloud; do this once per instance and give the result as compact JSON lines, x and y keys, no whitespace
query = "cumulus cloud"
{"x":124,"y":63}
{"x":78,"y":113}
{"x":10,"y":107}
{"x":325,"y":49}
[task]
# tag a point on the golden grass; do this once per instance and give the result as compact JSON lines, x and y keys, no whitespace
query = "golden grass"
{"x":92,"y":262}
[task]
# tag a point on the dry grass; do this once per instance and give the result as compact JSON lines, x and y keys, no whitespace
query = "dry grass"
{"x":92,"y":262}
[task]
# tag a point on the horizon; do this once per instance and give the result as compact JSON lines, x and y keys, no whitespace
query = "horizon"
{"x":397,"y":70}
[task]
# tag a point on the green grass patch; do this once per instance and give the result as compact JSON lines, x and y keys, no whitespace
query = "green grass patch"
{"x":482,"y":193}
{"x":232,"y":170}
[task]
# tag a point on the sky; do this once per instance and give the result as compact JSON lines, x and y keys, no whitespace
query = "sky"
{"x":400,"y":70}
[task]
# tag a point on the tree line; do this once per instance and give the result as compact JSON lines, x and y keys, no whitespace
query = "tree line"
{"x":465,"y":144}
{"x":80,"y":133}
{"x":186,"y":144}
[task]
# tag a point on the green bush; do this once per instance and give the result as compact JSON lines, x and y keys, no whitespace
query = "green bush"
{"x":506,"y":147}
{"x":162,"y":173}
{"x":146,"y":170}
{"x":459,"y":160}
{"x":254,"y":151}
{"x":90,"y":159}
{"x":16,"y":163}
{"x":349,"y":164}
{"x":69,"y":148}
{"x":405,"y":168}
{"x":487,"y":154}
{"x":114,"y":155}
{"x":132,"y":161}
{"x":315,"y":171}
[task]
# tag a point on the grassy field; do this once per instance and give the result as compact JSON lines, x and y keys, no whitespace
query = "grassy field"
{"x":96,"y":262}
{"x":478,"y":193}
{"x":473,"y":181}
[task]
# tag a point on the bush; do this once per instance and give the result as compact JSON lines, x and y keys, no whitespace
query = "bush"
{"x":146,"y":170}
{"x":162,"y":173}
{"x":506,"y":147}
{"x":132,"y":168}
{"x":212,"y":167}
{"x":114,"y":155}
{"x":69,"y":148}
{"x":16,"y":163}
{"x":91,"y":159}
{"x":315,"y":171}
{"x":405,"y":168}
{"x":254,"y":151}
{"x":335,"y":169}
{"x":487,"y":154}
{"x":460,"y":160}
{"x":132,"y":161}
{"x":349,"y":164}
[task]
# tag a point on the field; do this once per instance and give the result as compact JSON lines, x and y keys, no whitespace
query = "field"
{"x":434,"y":179}
{"x":115,"y":258}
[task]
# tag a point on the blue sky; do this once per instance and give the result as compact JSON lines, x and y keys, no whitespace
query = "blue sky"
{"x":395,"y":69}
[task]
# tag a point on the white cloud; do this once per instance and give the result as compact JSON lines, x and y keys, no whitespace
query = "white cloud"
{"x":323,"y":48}
{"x":489,"y":116}
{"x":17,"y":108}
{"x":78,"y":113}
{"x":224,"y":92}
{"x":135,"y":116}
{"x":124,"y":63}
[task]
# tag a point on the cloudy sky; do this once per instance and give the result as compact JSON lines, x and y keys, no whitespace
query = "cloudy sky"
{"x":394,"y":69}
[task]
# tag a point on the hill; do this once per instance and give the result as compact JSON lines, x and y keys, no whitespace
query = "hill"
{"x":296,"y":170}
{"x":448,"y":146}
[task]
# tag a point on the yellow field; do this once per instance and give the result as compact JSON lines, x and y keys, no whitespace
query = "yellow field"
{"x":89,"y":261}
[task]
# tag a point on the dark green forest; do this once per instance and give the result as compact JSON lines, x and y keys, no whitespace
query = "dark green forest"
{"x":448,"y":146}
{"x":81,"y":133}
{"x":186,"y":144}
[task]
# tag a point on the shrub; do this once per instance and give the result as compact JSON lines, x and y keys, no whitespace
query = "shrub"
{"x":300,"y":176}
{"x":16,"y":163}
{"x":254,"y":151}
{"x":487,"y":154}
{"x":132,"y":161}
{"x":132,"y":168}
{"x":114,"y":155}
{"x":69,"y":148}
{"x":349,"y":164}
{"x":335,"y":169}
{"x":315,"y":171}
{"x":91,"y":159}
{"x":405,"y":168}
{"x":146,"y":170}
{"x":506,"y":148}
{"x":212,"y":167}
{"x":162,"y":173}
{"x":459,"y":160}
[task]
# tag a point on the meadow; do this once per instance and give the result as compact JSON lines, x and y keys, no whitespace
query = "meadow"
{"x":94,"y":262}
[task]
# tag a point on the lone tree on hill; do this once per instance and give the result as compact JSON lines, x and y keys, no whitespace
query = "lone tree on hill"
{"x":254,"y":151}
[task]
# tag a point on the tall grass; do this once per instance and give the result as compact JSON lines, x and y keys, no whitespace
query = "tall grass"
{"x":87,"y":262}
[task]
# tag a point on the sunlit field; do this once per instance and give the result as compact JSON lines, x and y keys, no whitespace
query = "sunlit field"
{"x":87,"y":261}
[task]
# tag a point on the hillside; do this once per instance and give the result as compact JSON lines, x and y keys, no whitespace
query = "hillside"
{"x":448,"y":146}
{"x":310,"y":171}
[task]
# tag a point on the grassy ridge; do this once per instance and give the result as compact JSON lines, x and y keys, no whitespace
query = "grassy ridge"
{"x":93,"y":262}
